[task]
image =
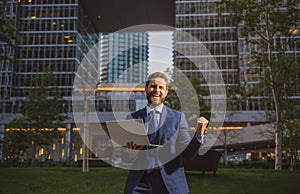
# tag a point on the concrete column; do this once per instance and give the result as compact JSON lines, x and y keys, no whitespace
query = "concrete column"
{"x":248,"y":124}
{"x":68,"y":143}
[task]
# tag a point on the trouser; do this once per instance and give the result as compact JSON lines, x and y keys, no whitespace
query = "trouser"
{"x":151,"y":183}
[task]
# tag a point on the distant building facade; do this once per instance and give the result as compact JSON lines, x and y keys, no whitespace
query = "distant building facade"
{"x":124,"y":57}
{"x":202,"y":20}
{"x":54,"y":36}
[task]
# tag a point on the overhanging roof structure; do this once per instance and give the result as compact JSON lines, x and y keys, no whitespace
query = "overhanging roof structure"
{"x":248,"y":138}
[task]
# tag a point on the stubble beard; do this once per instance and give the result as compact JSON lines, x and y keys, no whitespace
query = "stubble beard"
{"x":154,"y":103}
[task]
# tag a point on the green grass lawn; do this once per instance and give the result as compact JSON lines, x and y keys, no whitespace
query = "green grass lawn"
{"x":111,"y":180}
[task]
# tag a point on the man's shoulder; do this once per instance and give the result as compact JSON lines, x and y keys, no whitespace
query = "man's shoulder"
{"x":172,"y":111}
{"x":138,"y":112}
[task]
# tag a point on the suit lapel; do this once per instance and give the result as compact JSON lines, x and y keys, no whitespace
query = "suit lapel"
{"x":163,"y":134}
{"x":163,"y":117}
{"x":141,"y":114}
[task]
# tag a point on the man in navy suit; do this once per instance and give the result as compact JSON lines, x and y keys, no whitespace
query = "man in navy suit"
{"x":160,"y":170}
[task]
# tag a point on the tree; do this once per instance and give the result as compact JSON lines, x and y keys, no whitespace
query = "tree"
{"x":291,"y":135}
{"x":41,"y":113}
{"x":291,"y":121}
{"x":15,"y":143}
{"x":227,"y":137}
{"x":269,"y":27}
{"x":7,"y":30}
{"x":177,"y":96}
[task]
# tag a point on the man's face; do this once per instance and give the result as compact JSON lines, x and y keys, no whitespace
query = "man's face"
{"x":156,"y":91}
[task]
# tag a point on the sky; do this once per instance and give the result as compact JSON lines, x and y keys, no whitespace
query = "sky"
{"x":160,"y":51}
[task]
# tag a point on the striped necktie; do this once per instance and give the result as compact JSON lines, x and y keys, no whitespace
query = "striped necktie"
{"x":152,"y":127}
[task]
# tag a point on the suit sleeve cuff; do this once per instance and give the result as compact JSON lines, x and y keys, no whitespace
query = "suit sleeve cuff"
{"x":200,"y":139}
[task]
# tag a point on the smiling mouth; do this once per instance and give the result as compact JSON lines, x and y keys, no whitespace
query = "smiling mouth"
{"x":155,"y":95}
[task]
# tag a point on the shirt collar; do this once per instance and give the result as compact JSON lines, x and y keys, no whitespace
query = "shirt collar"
{"x":158,"y":109}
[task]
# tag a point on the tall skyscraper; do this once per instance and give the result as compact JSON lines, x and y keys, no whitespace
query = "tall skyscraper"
{"x":6,"y":66}
{"x":46,"y":41}
{"x":217,"y":32}
{"x":55,"y":36}
{"x":124,"y":57}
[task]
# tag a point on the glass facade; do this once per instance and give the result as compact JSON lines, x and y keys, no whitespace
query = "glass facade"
{"x":218,"y":35}
{"x":216,"y":32}
{"x":6,"y":66}
{"x":46,"y":42}
{"x":201,"y":19}
{"x":52,"y":38}
{"x":124,"y":57}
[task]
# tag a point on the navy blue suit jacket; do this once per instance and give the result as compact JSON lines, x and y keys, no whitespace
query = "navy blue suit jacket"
{"x":177,"y":143}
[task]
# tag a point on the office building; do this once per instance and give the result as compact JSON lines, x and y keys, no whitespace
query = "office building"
{"x":124,"y":57}
{"x":202,"y":20}
{"x":55,"y":36}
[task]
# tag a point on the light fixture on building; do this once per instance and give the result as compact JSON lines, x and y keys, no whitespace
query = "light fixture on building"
{"x":294,"y":31}
{"x":41,"y":151}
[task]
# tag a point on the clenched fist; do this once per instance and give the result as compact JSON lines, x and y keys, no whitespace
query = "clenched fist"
{"x":202,"y":123}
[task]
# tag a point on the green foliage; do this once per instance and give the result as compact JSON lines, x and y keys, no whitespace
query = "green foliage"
{"x":178,"y":97}
{"x":259,"y":17}
{"x":41,"y":113}
{"x":291,"y":132}
{"x":263,"y":24}
{"x":7,"y":29}
{"x":42,"y":108}
{"x":237,"y":95}
{"x":15,"y":144}
{"x":270,"y":29}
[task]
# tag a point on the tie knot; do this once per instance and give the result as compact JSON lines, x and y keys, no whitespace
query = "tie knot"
{"x":153,"y":112}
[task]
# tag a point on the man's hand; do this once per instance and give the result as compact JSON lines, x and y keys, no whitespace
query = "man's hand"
{"x":202,"y":123}
{"x":132,"y":149}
